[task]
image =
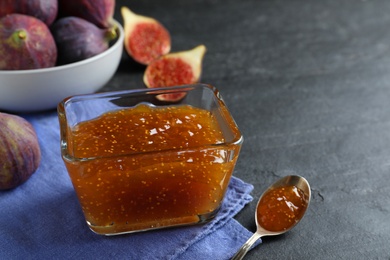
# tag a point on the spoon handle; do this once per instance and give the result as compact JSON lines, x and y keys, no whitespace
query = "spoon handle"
{"x":245,"y":247}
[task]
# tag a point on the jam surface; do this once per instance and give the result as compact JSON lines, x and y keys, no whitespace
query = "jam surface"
{"x":281,"y":208}
{"x":148,"y":167}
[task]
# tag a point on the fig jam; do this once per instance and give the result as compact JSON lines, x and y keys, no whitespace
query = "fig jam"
{"x":281,"y":208}
{"x":149,"y":167}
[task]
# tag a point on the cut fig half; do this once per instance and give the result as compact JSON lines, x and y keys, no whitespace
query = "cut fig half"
{"x":175,"y":69}
{"x":146,"y":39}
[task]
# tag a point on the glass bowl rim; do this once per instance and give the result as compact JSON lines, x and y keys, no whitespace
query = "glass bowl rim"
{"x":237,"y":140}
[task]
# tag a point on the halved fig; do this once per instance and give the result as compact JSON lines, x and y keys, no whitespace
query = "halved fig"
{"x":146,"y":39}
{"x":175,"y":69}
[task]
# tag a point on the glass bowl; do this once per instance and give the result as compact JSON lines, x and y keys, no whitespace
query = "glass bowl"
{"x":138,"y":163}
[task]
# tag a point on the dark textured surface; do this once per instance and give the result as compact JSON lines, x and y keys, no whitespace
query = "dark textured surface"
{"x":308,"y":83}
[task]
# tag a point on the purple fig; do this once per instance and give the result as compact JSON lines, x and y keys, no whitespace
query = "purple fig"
{"x":44,"y":10}
{"x":25,"y":43}
{"x":20,"y":153}
{"x":78,"y":39}
{"x":7,"y":7}
{"x":98,"y":12}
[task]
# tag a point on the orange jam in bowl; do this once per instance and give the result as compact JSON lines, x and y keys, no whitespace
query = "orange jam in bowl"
{"x":146,"y":165}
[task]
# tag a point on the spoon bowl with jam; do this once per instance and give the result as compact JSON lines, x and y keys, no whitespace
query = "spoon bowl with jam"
{"x":279,"y":209}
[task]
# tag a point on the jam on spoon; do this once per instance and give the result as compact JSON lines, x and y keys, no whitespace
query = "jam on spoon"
{"x":279,"y":209}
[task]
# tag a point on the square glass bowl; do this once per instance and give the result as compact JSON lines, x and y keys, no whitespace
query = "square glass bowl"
{"x":139,"y":163}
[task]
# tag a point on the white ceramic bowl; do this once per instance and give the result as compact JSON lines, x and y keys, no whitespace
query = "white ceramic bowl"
{"x":42,"y":89}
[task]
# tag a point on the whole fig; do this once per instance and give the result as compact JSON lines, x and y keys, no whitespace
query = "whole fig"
{"x":98,"y":12}
{"x":77,"y":39}
{"x":20,"y":153}
{"x":25,"y":43}
{"x":44,"y":10}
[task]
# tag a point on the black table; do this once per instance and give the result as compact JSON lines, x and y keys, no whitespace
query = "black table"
{"x":308,"y":83}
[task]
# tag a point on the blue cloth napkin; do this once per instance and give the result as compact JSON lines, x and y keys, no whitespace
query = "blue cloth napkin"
{"x":41,"y":219}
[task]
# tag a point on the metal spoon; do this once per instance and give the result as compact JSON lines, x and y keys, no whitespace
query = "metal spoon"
{"x":297,"y":181}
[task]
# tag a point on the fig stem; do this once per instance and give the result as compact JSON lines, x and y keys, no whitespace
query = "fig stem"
{"x":18,"y":37}
{"x":111,"y":34}
{"x":22,"y":35}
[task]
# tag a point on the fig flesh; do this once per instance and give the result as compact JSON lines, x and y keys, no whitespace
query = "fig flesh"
{"x":20,"y":153}
{"x":44,"y":10}
{"x":146,"y":39}
{"x":25,"y":43}
{"x":174,"y":69}
{"x":98,"y":12}
{"x":77,"y":39}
